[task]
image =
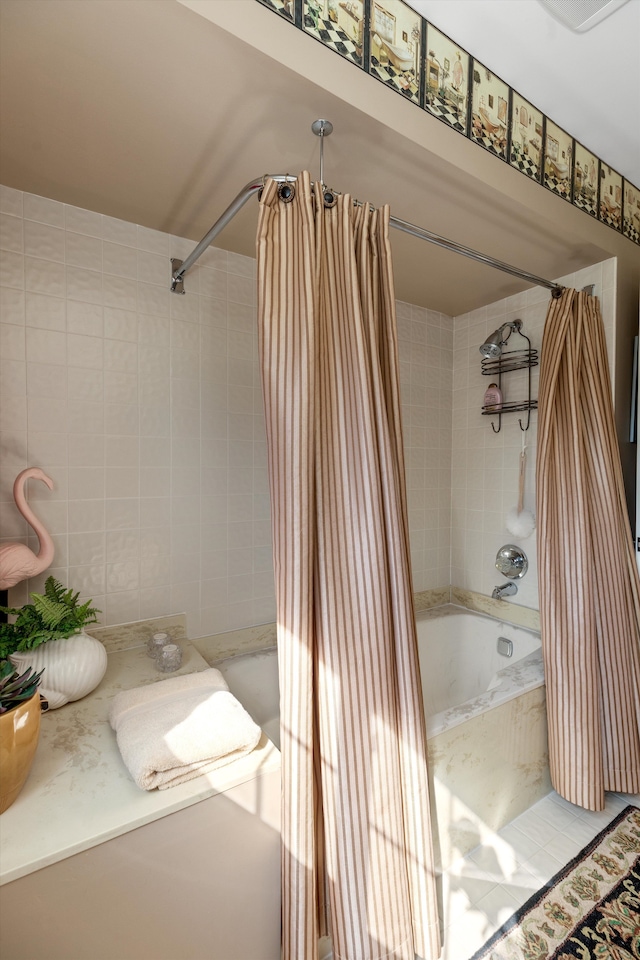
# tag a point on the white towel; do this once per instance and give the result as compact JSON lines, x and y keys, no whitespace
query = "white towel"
{"x":180,"y":728}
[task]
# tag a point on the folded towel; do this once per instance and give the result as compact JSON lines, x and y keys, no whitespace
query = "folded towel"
{"x":180,"y":728}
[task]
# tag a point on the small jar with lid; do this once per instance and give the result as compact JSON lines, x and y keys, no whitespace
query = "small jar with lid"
{"x":156,"y":642}
{"x":169,"y":658}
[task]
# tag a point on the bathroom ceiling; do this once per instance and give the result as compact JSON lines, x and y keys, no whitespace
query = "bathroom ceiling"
{"x":588,"y":83}
{"x":149,"y":112}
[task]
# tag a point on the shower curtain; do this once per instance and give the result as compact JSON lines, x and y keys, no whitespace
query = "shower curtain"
{"x":588,"y":579}
{"x":356,"y":841}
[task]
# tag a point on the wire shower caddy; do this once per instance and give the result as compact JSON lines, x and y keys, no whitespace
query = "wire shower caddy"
{"x":507,"y":362}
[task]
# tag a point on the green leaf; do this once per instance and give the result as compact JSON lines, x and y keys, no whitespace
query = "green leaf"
{"x":51,"y":611}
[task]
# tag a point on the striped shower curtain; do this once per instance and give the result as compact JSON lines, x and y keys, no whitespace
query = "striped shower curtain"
{"x":356,"y":840}
{"x":589,"y":588}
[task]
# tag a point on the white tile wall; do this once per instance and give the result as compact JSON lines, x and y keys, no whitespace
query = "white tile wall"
{"x":426,"y":364}
{"x":146,"y":409}
{"x":484,"y":476}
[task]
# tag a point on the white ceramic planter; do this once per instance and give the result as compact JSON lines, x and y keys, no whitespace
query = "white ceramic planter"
{"x":73,"y":667}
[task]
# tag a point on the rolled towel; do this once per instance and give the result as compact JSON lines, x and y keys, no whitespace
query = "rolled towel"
{"x":180,"y":728}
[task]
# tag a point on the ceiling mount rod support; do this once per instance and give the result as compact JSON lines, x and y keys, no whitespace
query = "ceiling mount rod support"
{"x":255,"y":186}
{"x":322,"y":129}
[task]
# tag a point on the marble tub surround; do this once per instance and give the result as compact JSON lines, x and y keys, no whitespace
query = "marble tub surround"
{"x":79,"y":792}
{"x":499,"y":609}
{"x":510,"y":683}
{"x":425,"y":599}
{"x":123,"y":636}
{"x":506,"y":770}
{"x":233,"y":643}
{"x":236,"y":642}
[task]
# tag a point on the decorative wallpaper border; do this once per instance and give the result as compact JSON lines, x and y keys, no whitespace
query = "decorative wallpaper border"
{"x":393,"y":43}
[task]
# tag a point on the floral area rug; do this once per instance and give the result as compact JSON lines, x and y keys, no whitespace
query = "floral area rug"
{"x":590,"y":910}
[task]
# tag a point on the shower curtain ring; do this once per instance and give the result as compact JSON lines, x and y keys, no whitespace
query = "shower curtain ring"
{"x":286,"y":192}
{"x":329,"y":198}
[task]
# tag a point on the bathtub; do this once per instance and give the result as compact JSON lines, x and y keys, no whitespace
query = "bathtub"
{"x":485,"y":719}
{"x":401,"y":58}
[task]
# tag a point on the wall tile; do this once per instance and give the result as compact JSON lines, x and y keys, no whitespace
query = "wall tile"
{"x":119,"y":292}
{"x":85,"y":352}
{"x":12,"y":305}
{"x":43,"y":210}
{"x":46,"y":346}
{"x":85,"y":416}
{"x":119,"y":260}
{"x":12,"y":342}
{"x":86,"y":516}
{"x":86,"y":483}
{"x":45,"y":380}
{"x":11,"y":269}
{"x":120,"y":324}
{"x":153,"y":300}
{"x":11,"y":233}
{"x":122,"y":482}
{"x":153,"y":241}
{"x":83,"y":251}
{"x":44,"y":276}
{"x":85,"y":385}
{"x":121,"y":388}
{"x":84,"y":318}
{"x":14,"y":378}
{"x":47,"y":313}
{"x":119,"y":231}
{"x":11,"y":201}
{"x":87,"y":548}
{"x":47,"y":450}
{"x":44,"y":241}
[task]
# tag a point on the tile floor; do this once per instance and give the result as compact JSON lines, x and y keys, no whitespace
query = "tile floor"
{"x":480,"y":891}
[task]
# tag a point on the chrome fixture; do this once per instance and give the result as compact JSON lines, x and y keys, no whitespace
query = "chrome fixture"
{"x":511,"y":561}
{"x":322,"y":129}
{"x":506,"y":590}
{"x":505,"y":646}
{"x":492,"y":347}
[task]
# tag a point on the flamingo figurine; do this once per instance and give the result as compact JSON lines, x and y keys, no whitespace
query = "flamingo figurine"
{"x":17,"y":561}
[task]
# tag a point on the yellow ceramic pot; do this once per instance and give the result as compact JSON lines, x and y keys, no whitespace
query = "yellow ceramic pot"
{"x":19,"y":733}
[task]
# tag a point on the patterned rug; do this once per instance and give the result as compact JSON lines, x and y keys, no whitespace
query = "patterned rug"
{"x":590,"y":910}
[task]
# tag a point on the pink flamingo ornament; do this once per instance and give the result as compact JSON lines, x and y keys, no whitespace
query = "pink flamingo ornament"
{"x":17,"y":561}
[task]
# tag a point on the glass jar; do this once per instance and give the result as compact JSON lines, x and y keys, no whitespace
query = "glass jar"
{"x":156,"y":642}
{"x":169,"y":658}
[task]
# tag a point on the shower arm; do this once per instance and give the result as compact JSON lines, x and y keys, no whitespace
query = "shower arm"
{"x":180,"y":267}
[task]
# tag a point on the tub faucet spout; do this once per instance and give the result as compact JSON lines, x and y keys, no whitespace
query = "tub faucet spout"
{"x":506,"y":590}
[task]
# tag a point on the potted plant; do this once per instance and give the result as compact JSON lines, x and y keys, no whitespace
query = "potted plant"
{"x":48,"y":634}
{"x":19,"y":729}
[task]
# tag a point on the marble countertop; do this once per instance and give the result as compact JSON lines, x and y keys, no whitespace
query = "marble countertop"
{"x":79,"y":792}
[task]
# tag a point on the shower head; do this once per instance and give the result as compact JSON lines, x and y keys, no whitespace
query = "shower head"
{"x":492,"y":347}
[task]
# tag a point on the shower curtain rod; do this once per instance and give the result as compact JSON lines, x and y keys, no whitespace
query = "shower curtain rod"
{"x":180,"y":267}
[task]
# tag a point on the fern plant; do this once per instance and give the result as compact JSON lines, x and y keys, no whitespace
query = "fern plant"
{"x":53,"y":615}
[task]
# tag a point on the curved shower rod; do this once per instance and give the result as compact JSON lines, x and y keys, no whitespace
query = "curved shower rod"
{"x":180,"y":267}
